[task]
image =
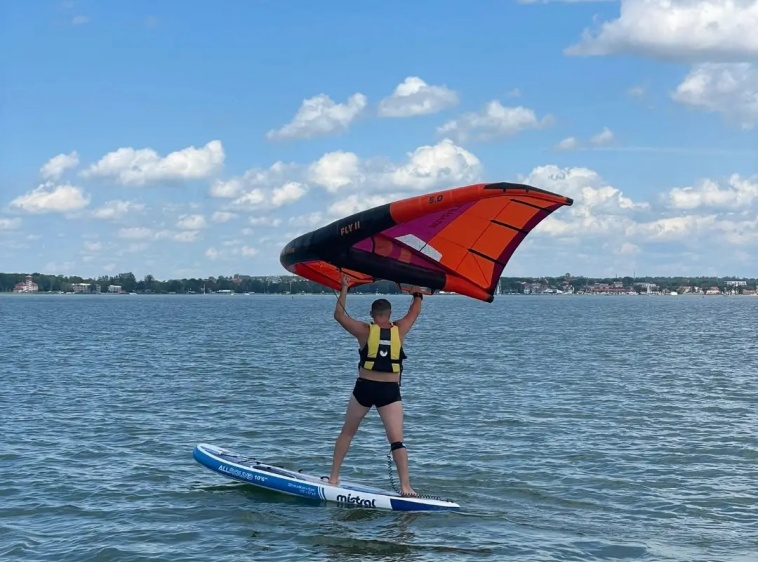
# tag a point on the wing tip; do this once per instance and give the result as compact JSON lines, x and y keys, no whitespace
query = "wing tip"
{"x":505,"y":186}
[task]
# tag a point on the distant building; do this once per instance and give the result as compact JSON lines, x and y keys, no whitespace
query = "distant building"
{"x":736,"y":283}
{"x":27,"y":286}
{"x":81,"y":287}
{"x":114,"y":288}
{"x":616,"y":288}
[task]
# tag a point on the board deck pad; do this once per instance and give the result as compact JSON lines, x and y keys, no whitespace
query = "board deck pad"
{"x":247,"y":469}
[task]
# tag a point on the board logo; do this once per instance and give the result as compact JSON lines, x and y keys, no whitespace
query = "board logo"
{"x":240,"y":473}
{"x":350,"y":498}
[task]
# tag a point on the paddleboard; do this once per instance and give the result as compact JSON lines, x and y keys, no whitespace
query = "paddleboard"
{"x":297,"y":483}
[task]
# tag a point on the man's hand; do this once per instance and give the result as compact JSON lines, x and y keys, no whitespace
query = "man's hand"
{"x":357,"y":328}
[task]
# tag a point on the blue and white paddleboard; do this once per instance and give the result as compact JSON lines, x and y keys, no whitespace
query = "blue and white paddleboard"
{"x":252,"y":471}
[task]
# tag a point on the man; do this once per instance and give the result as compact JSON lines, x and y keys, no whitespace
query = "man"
{"x":378,"y":384}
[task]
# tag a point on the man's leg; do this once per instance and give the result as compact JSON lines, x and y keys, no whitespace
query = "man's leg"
{"x":353,"y":417}
{"x":392,"y":418}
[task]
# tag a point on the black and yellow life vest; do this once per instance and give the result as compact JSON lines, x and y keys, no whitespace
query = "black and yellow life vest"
{"x":383,"y":351}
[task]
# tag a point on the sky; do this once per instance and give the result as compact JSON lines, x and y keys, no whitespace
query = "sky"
{"x":196,"y":139}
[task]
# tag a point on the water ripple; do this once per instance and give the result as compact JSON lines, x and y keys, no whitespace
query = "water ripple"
{"x":569,"y":428}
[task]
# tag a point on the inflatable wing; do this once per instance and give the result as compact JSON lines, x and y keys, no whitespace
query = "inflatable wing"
{"x":458,"y":240}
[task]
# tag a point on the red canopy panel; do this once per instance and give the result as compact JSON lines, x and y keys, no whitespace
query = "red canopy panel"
{"x":458,"y":240}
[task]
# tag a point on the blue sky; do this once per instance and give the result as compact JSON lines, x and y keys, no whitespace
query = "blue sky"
{"x":197,"y":138}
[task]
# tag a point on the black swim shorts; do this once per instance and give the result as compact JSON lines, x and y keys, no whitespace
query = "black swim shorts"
{"x":374,"y":393}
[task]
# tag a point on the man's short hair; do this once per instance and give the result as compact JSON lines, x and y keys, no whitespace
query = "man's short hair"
{"x":381,"y":307}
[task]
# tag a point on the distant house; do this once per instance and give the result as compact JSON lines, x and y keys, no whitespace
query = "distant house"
{"x":81,"y":287}
{"x":27,"y":286}
{"x":114,"y":288}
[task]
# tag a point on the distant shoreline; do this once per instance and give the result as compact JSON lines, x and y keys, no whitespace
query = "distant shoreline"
{"x":127,"y":283}
{"x":375,"y":295}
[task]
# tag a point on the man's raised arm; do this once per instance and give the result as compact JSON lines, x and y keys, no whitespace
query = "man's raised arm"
{"x":353,"y":326}
{"x":406,"y":322}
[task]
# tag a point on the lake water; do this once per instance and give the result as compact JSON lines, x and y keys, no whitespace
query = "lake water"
{"x":567,"y":427}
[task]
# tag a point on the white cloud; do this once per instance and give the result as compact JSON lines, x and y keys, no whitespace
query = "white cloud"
{"x":80,"y":20}
{"x":59,"y":268}
{"x":185,"y":236}
{"x":312,"y":220}
{"x":602,"y":138}
{"x":259,"y":189}
{"x":278,"y":173}
{"x":136,"y":247}
{"x":145,"y":166}
{"x":191,"y":222}
{"x":267,"y":221}
{"x":93,"y":246}
{"x":227,"y":188}
{"x":605,"y":223}
{"x":356,"y":203}
{"x":49,"y":197}
{"x":444,"y":163}
{"x":336,"y":170}
{"x":223,"y":216}
{"x":585,"y":186}
{"x":288,"y":193}
{"x":675,"y":229}
{"x":143,"y":233}
{"x":228,"y":253}
{"x":739,"y":193}
{"x":685,"y":30}
{"x":628,"y":249}
{"x":569,"y":143}
{"x":135,"y":233}
{"x":562,"y":1}
{"x":10,"y":224}
{"x":729,"y":89}
{"x":117,"y":209}
{"x":494,"y":121}
{"x":258,"y":199}
{"x":250,"y":200}
{"x":429,"y":166}
{"x":414,"y":97}
{"x":637,"y":92}
{"x":57,"y":165}
{"x":319,"y":116}
{"x":598,"y":209}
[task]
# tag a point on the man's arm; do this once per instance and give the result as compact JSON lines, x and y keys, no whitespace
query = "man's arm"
{"x":353,"y":326}
{"x":406,"y":322}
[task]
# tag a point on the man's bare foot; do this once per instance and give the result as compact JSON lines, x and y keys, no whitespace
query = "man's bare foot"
{"x":407,"y":491}
{"x":334,"y":481}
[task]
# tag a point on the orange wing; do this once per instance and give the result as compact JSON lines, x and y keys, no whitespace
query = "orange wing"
{"x":457,"y":240}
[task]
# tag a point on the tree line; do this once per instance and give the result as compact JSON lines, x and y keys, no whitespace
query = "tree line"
{"x":239,"y":283}
{"x":149,"y":284}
